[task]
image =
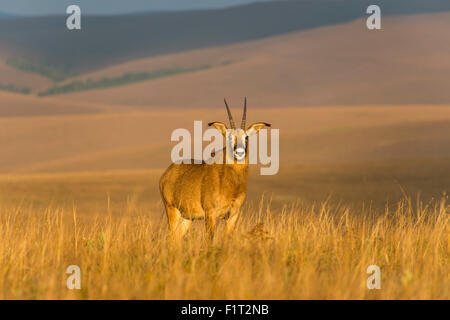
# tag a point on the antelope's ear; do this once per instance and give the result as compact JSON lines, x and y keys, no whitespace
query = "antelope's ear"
{"x":254,"y":128}
{"x":219,"y":126}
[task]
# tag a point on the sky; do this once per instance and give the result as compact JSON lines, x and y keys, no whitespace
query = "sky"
{"x":43,"y":7}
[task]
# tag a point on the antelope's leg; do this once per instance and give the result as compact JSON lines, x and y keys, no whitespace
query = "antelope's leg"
{"x":210,"y":224}
{"x":234,"y":214}
{"x":178,"y":226}
{"x":231,"y":224}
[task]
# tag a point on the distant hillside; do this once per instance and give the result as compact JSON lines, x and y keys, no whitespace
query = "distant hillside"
{"x":408,"y":62}
{"x":4,"y":15}
{"x":43,"y":45}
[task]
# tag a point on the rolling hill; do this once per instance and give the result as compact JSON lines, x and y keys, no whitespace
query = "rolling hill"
{"x":5,"y":15}
{"x":45,"y":46}
{"x":407,"y":62}
{"x":351,"y":153}
{"x":141,"y":140}
{"x":15,"y":105}
{"x":356,"y":109}
{"x":345,"y":64}
{"x":128,"y":127}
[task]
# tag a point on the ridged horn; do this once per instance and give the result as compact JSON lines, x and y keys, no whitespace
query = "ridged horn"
{"x":244,"y":115}
{"x":230,"y":117}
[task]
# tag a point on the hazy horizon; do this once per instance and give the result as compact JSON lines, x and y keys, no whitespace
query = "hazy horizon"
{"x":111,"y":7}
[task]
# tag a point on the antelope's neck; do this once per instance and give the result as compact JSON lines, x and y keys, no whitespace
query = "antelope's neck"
{"x":239,"y":176}
{"x":240,"y":168}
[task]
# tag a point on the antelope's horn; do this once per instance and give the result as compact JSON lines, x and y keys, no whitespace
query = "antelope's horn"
{"x":230,"y":117}
{"x":244,"y":115}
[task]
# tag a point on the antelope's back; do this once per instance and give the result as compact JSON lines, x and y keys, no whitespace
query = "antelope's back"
{"x":181,"y":184}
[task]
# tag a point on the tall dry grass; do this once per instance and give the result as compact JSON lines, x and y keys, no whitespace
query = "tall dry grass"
{"x":297,"y":253}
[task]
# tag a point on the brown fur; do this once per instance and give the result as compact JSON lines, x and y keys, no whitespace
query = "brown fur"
{"x":203,"y":191}
{"x":207,"y":191}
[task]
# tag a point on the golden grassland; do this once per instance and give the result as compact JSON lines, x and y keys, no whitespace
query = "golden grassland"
{"x":78,"y":183}
{"x":297,"y":251}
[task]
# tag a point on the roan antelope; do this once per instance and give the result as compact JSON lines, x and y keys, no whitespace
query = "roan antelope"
{"x":210,"y":191}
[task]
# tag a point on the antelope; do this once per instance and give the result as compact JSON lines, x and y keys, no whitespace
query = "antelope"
{"x":210,"y":191}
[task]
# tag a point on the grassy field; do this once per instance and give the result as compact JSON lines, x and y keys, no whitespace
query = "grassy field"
{"x":299,"y":252}
{"x":364,"y":175}
{"x":82,"y":190}
{"x":113,"y":227}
